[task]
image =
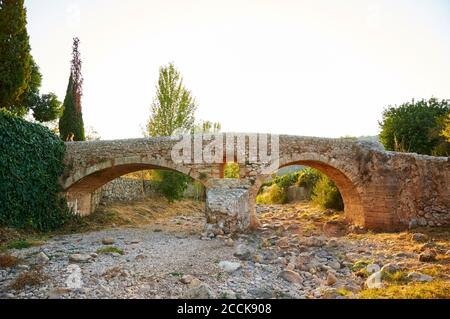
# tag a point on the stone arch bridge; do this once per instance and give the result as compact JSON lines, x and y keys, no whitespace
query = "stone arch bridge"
{"x":381,"y":190}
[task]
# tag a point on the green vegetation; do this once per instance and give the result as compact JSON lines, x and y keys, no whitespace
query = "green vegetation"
{"x":19,"y":244}
{"x":273,"y":195}
{"x":323,"y":190}
{"x":30,"y":165}
{"x":172,"y":112}
{"x":437,"y":289}
{"x":110,"y":250}
{"x":416,"y":127}
{"x":20,"y":78}
{"x":71,"y":125}
{"x":231,"y":170}
{"x":326,"y":194}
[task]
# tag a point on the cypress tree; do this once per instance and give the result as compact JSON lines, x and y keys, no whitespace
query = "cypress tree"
{"x":71,"y":126}
{"x":15,"y":57}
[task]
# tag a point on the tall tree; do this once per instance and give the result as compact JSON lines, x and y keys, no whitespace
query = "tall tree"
{"x":20,"y":78}
{"x":416,"y":127}
{"x":172,"y":111}
{"x":173,"y":108}
{"x":71,"y":126}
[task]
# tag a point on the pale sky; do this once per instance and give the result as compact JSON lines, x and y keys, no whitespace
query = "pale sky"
{"x":316,"y":68}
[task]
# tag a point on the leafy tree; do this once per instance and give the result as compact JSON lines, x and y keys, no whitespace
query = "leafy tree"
{"x":415,"y":127}
{"x":446,"y":131}
{"x":173,"y":108}
{"x":172,"y":111}
{"x":326,"y":194}
{"x":71,"y":126}
{"x":206,"y":127}
{"x":20,"y":78}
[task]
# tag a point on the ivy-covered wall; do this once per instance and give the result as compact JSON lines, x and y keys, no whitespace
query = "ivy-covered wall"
{"x":31,"y":160}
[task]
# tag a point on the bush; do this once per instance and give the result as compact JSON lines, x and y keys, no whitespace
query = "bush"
{"x":416,"y":127}
{"x":273,"y":195}
{"x":231,"y":170}
{"x":308,"y":177}
{"x":31,"y":161}
{"x":326,"y":194}
{"x":172,"y":184}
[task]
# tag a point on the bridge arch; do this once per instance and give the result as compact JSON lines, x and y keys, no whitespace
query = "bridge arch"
{"x":80,"y":185}
{"x":339,"y":173}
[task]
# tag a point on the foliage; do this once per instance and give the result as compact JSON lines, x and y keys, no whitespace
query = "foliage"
{"x":30,"y":165}
{"x":20,"y":78}
{"x":326,"y":194}
{"x":173,"y":108}
{"x":28,"y":278}
{"x":231,"y":170}
{"x":110,"y":250}
{"x":446,"y":130}
{"x":71,"y":125}
{"x":172,"y":111}
{"x":416,"y":127}
{"x":172,"y":184}
{"x":206,"y":127}
{"x":8,"y":261}
{"x":274,"y":194}
{"x":308,"y":177}
{"x":436,"y":289}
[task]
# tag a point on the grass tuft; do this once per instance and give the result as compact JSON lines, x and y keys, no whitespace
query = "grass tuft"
{"x":110,"y":250}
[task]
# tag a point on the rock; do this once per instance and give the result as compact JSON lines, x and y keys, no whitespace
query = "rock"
{"x":448,"y":253}
{"x":336,"y":265}
{"x":374,"y":281}
{"x":331,"y":279}
{"x":187,"y":279}
{"x":371,"y":268}
{"x":334,"y":228}
{"x":202,"y":291}
{"x":328,"y":293}
{"x":291,"y":276}
{"x":427,"y":256}
{"x":283,"y":242}
{"x":58,"y":292}
{"x":228,"y":294}
{"x":390,"y":268}
{"x":108,"y":241}
{"x":229,"y":266}
{"x":80,"y":258}
{"x":42,"y":258}
{"x":332,"y":243}
{"x":413,"y":223}
{"x":140,"y":257}
{"x":243,"y":252}
{"x":229,"y":242}
{"x":417,"y":276}
{"x":314,"y":241}
{"x":419,"y":238}
{"x":290,"y":266}
{"x":264,"y":292}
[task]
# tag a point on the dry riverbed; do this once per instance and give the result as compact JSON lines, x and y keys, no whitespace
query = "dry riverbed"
{"x":152,"y":249}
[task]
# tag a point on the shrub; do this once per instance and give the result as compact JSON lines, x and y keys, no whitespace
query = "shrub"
{"x":8,"y":261}
{"x":110,"y":250}
{"x":28,"y":278}
{"x":416,"y":127}
{"x":308,"y":177}
{"x":326,"y":194}
{"x":231,"y":170}
{"x":30,"y":164}
{"x":273,"y":195}
{"x":172,"y":184}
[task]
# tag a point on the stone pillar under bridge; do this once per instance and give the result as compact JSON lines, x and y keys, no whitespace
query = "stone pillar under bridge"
{"x":230,"y":206}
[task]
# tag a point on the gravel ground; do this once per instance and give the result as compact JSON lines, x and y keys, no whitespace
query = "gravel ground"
{"x":280,"y":260}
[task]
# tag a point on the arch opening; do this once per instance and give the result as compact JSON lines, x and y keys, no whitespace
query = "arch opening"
{"x":353,"y":207}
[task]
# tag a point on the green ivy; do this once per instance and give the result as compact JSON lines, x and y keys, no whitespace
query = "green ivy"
{"x":31,"y":160}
